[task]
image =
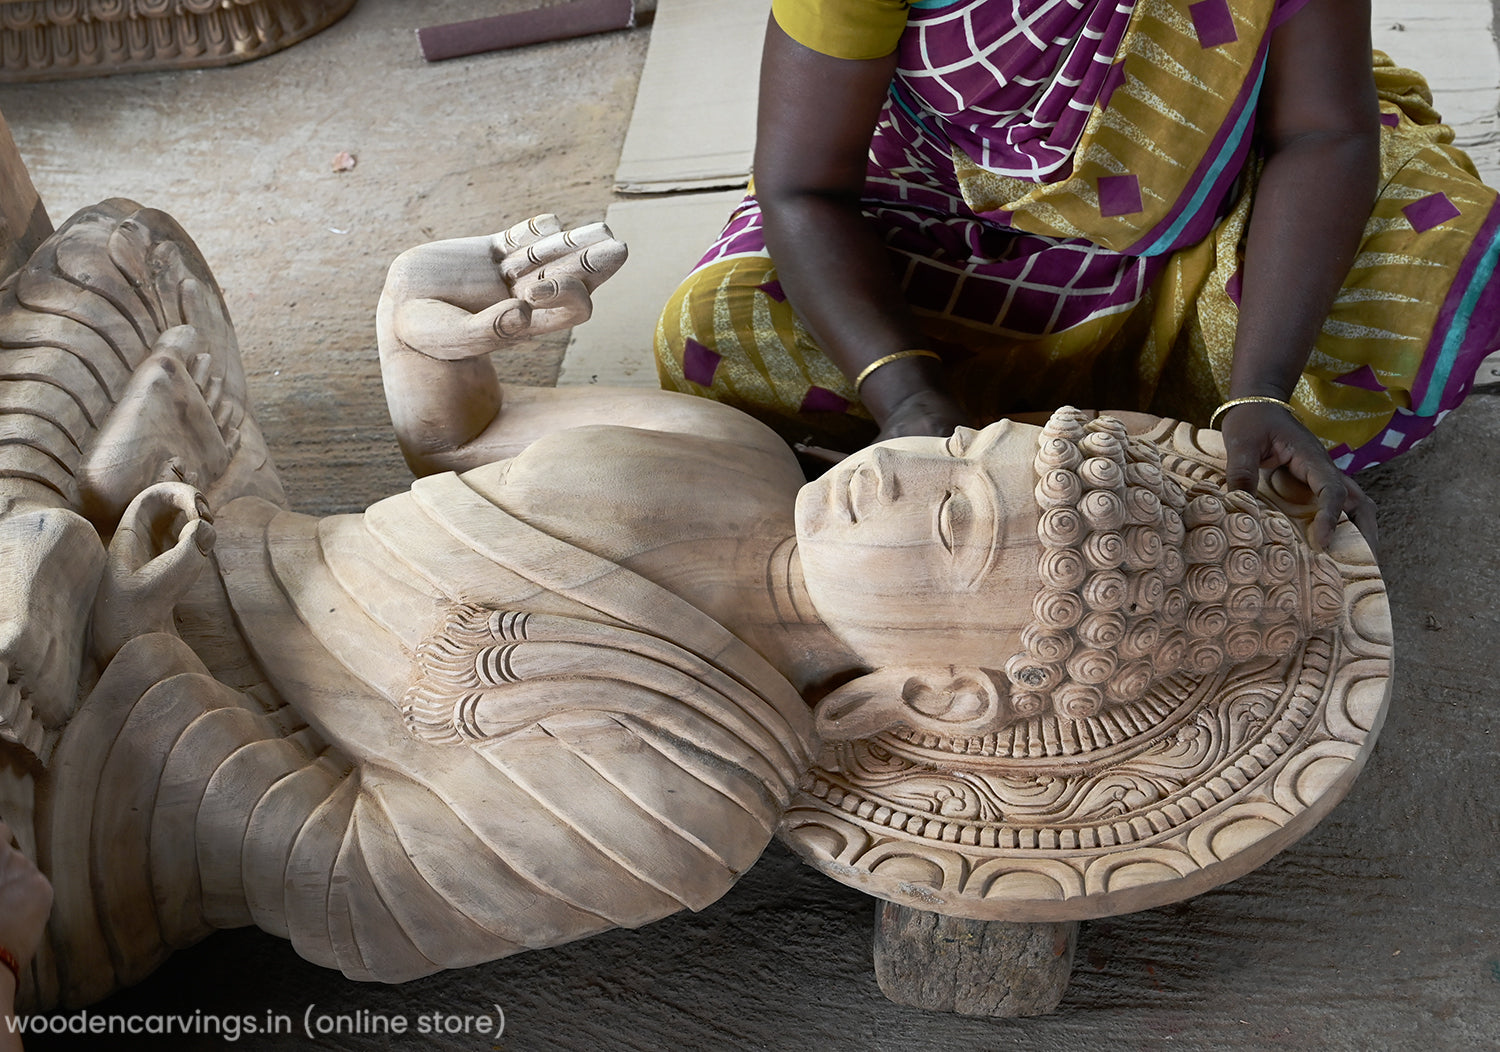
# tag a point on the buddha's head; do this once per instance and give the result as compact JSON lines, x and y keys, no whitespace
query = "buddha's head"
{"x":1021,"y":571}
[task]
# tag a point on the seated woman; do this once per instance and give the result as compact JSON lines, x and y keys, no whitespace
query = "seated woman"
{"x":1215,"y":211}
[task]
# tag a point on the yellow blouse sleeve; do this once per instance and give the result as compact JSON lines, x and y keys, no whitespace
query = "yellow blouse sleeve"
{"x":855,"y":29}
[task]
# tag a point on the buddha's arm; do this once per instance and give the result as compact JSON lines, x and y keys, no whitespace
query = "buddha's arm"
{"x":447,"y":305}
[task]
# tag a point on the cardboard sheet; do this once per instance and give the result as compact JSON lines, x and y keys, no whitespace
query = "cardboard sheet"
{"x":666,"y":236}
{"x":694,"y":121}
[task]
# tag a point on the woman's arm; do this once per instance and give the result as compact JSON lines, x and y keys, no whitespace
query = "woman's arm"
{"x":1319,"y":126}
{"x":817,"y":115}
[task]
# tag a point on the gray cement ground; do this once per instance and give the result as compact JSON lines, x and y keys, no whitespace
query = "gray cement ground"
{"x":1380,"y":930}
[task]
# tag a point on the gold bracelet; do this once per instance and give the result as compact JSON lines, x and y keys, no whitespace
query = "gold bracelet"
{"x":9,"y":960}
{"x":1248,"y":400}
{"x":864,"y":374}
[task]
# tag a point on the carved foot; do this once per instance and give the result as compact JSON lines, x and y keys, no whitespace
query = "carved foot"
{"x":985,"y":968}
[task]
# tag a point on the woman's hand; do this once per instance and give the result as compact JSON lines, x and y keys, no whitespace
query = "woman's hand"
{"x":1262,"y":435}
{"x":922,"y":412}
{"x":907,"y":397}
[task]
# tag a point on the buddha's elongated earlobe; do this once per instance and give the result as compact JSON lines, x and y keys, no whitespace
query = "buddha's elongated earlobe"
{"x":948,"y":701}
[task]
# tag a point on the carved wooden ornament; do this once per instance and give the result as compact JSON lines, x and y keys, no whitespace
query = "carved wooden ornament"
{"x":54,"y":39}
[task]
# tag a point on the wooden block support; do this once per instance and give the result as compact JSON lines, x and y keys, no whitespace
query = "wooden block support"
{"x":984,"y":968}
{"x":23,"y":221}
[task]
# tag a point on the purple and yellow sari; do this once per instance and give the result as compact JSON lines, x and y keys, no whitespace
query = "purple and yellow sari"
{"x":1063,"y":187}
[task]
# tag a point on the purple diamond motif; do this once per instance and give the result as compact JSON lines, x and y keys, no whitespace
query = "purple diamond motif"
{"x":1432,"y":210}
{"x":822,"y":400}
{"x":1363,"y":377}
{"x":773,"y":289}
{"x":1235,"y":286}
{"x":1119,"y":195}
{"x":1391,"y":120}
{"x":1214,"y":23}
{"x":699,"y":363}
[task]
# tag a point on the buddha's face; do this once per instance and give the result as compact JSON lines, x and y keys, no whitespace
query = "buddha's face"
{"x":924,"y":550}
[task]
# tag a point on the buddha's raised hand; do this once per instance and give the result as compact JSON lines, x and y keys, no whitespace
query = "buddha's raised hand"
{"x":466,"y":297}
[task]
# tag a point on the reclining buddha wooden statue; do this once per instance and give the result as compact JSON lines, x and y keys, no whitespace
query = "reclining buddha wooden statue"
{"x":611,"y":642}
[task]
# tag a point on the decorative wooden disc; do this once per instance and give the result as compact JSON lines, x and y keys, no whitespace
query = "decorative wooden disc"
{"x":1056,"y":818}
{"x":56,"y":39}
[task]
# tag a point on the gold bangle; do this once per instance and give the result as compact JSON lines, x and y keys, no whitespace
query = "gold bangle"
{"x":864,"y":374}
{"x":9,"y":960}
{"x":1248,"y":400}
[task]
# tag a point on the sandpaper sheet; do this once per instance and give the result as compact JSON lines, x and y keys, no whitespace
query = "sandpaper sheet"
{"x":575,"y":18}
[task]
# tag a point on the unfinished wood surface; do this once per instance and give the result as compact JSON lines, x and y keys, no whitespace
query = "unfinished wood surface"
{"x":557,"y":686}
{"x":23,"y":219}
{"x":985,"y":968}
{"x":55,"y":39}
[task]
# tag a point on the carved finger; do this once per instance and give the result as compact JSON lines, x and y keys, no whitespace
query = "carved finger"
{"x":213,"y":393}
{"x":559,"y":303}
{"x":550,"y":249}
{"x":174,"y":568}
{"x":505,"y":321}
{"x":525,"y":233}
{"x":592,"y":266}
{"x":201,"y":368}
{"x":204,"y":310}
{"x":155,"y":521}
{"x":185,"y":342}
{"x":446,"y":332}
{"x":144,"y":583}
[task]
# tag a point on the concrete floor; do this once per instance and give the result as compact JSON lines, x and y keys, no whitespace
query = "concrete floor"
{"x":1380,"y":930}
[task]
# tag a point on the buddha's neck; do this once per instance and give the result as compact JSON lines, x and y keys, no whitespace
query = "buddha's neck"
{"x":753,"y":585}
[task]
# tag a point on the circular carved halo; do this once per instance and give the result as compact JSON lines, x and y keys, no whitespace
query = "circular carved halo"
{"x":1207,"y":779}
